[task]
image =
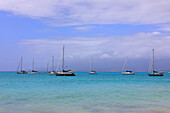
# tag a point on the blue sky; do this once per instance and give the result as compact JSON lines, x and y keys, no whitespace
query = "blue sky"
{"x":108,"y":30}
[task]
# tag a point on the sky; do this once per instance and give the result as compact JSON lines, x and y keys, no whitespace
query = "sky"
{"x":108,"y":30}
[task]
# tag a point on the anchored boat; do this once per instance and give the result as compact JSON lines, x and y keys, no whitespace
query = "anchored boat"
{"x":33,"y":72}
{"x":20,"y":66}
{"x":53,"y":72}
{"x":47,"y":69}
{"x":92,"y":72}
{"x":127,"y":72}
{"x":154,"y":73}
{"x":64,"y":72}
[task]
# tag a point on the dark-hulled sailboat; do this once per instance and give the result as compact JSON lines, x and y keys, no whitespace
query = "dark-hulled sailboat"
{"x":154,"y":73}
{"x":33,"y":72}
{"x":20,"y":66}
{"x":64,"y":72}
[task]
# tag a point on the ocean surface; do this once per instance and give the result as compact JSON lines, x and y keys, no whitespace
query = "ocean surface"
{"x":106,"y":92}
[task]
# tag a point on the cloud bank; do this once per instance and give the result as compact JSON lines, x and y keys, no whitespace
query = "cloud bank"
{"x":134,"y":46}
{"x":76,"y":12}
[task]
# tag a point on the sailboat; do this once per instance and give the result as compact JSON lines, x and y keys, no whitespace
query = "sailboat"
{"x":53,"y":72}
{"x":127,"y":72}
{"x":47,"y":69}
{"x":91,"y":68}
{"x":154,"y":73}
{"x":33,"y":72}
{"x":64,"y":72}
{"x":21,"y":71}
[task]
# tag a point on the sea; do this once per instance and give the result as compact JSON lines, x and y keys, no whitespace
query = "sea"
{"x":106,"y":92}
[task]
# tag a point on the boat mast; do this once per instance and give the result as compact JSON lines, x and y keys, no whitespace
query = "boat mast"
{"x":153,"y":59}
{"x":19,"y":66}
{"x":63,"y":60}
{"x":21,"y":62}
{"x":47,"y":67}
{"x":91,"y":67}
{"x":126,"y":63}
{"x":33,"y":64}
{"x":52,"y":63}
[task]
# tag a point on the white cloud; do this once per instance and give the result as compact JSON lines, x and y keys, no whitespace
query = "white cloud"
{"x":76,"y":12}
{"x":156,"y":33}
{"x":134,"y":46}
{"x":105,"y":56}
{"x":164,"y":27}
{"x":84,"y":28}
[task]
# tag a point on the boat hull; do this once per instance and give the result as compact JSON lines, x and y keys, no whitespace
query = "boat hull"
{"x":156,"y":74}
{"x":52,"y":73}
{"x":127,"y":73}
{"x":21,"y":72}
{"x":92,"y":73}
{"x":65,"y":74}
{"x":37,"y":73}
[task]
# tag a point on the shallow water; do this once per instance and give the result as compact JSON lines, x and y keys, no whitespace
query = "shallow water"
{"x":105,"y":92}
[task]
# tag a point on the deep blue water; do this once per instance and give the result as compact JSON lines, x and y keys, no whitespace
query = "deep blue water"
{"x":106,"y":92}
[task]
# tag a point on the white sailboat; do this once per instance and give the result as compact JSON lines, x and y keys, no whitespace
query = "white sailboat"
{"x":21,"y":71}
{"x":47,"y":69}
{"x":126,"y":71}
{"x":154,"y":73}
{"x":53,"y":72}
{"x":64,"y":72}
{"x":33,"y":72}
{"x":91,"y":68}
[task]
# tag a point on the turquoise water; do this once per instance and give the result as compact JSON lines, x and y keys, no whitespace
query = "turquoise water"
{"x":84,"y":93}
